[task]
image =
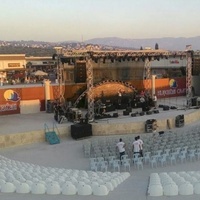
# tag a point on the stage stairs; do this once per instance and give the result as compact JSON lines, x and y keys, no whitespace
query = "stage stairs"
{"x":50,"y":135}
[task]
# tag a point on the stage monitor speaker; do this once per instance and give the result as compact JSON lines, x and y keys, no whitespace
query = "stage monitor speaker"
{"x":165,"y":107}
{"x":115,"y":115}
{"x":125,"y":112}
{"x":149,"y":112}
{"x":141,"y":113}
{"x":156,"y":111}
{"x":173,"y":107}
{"x":133,"y":114}
{"x":80,"y":72}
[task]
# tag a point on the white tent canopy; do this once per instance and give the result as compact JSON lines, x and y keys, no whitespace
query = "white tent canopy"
{"x":39,"y":73}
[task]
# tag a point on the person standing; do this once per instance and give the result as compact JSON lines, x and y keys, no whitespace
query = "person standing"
{"x":141,"y":145}
{"x":136,"y":147}
{"x":121,"y":148}
{"x":155,"y":100}
{"x":120,"y":97}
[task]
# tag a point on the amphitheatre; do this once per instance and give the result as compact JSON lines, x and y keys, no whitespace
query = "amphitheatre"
{"x":88,"y":168}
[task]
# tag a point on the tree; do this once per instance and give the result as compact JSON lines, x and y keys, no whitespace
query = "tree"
{"x":156,"y":46}
{"x":141,"y":48}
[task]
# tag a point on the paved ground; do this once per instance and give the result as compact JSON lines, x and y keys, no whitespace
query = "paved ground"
{"x":68,"y":154}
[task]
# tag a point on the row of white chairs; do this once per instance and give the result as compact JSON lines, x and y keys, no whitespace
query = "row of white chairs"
{"x":24,"y":178}
{"x":172,"y":183}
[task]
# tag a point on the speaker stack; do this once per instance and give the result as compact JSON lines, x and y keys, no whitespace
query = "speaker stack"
{"x":150,"y":125}
{"x":80,"y":72}
{"x":179,"y":121}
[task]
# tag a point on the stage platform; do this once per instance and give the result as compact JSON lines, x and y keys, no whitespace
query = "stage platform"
{"x":23,"y":129}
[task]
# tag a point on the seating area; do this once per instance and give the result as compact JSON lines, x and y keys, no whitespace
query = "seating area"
{"x":160,"y":150}
{"x":23,"y":178}
{"x":174,"y":183}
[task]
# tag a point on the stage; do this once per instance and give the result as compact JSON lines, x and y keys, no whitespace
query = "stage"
{"x":20,"y":129}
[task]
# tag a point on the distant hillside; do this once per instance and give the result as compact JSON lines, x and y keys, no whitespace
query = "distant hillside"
{"x":168,"y":43}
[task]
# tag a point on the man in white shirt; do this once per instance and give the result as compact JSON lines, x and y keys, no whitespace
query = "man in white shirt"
{"x":141,"y":146}
{"x":136,"y":146}
{"x":121,"y":147}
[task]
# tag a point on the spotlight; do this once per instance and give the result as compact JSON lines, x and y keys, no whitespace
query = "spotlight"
{"x":143,"y":58}
{"x":54,"y":56}
{"x":157,"y":58}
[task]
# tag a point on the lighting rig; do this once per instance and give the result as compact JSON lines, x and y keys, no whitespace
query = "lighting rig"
{"x":126,"y":55}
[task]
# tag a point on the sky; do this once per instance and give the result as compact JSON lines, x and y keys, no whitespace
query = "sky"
{"x":80,"y":20}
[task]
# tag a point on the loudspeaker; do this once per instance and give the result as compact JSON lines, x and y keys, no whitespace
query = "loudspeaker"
{"x":142,"y":113}
{"x":133,"y":114}
{"x":165,"y":107}
{"x":80,"y":72}
{"x":173,"y":107}
{"x":179,"y":121}
{"x":149,"y":112}
{"x":156,"y":111}
{"x":81,"y":130}
{"x":125,"y":112}
{"x":115,"y":115}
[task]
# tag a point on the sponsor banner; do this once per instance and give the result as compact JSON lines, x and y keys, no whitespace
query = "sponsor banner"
{"x":9,"y":103}
{"x":176,"y":87}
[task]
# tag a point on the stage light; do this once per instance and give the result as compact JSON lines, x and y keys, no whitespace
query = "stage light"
{"x":54,"y":57}
{"x":143,"y":58}
{"x":157,"y":58}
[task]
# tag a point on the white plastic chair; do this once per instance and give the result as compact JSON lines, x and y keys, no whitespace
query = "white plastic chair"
{"x":104,"y":166}
{"x":126,"y":164}
{"x":153,"y":161}
{"x":191,"y":154}
{"x":172,"y":158}
{"x":116,"y":165}
{"x":163,"y":160}
{"x":93,"y":166}
{"x":147,"y":157}
{"x":139,"y":163}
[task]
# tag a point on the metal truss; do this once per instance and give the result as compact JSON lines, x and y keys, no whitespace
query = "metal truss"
{"x":146,"y":55}
{"x":147,"y":66}
{"x":189,"y":78}
{"x":60,"y":66}
{"x":90,"y":98}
